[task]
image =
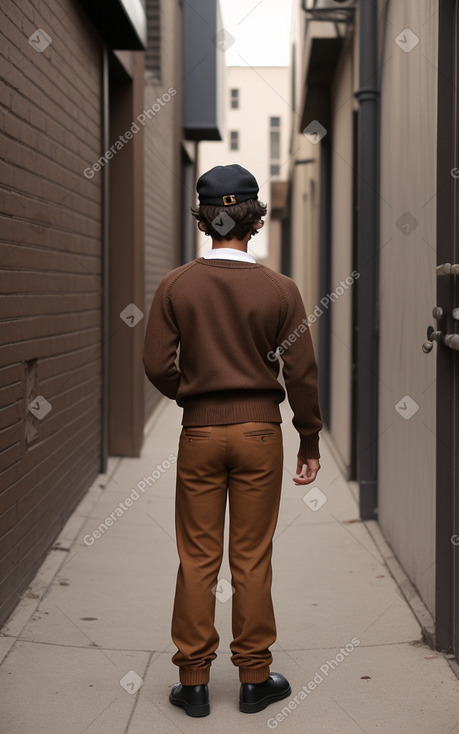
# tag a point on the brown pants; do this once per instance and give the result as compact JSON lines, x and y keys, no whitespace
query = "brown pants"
{"x":246,"y":459}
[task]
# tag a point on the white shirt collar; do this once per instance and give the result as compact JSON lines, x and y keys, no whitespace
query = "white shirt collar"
{"x":229,"y":253}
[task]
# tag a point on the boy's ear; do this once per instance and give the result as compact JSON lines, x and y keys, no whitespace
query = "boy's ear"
{"x":259,"y":224}
{"x":202,"y":227}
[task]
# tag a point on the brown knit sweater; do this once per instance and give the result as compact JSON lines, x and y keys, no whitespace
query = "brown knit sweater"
{"x":229,"y":317}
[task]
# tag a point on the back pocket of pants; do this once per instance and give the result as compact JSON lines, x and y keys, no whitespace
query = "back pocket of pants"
{"x":195,"y":434}
{"x":259,"y":433}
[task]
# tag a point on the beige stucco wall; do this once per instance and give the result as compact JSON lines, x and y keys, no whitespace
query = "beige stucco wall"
{"x":407,"y":294}
{"x":343,"y":104}
{"x":305,"y":227}
{"x":273,"y":258}
{"x":305,"y":224}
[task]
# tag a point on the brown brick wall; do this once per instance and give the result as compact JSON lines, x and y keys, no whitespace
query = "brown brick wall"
{"x":51,"y":262}
{"x":50,"y":277}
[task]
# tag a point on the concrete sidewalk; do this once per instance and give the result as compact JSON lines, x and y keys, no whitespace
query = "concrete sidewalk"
{"x":88,"y":648}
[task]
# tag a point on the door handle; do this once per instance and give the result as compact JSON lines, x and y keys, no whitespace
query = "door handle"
{"x":448,"y":340}
{"x":432,"y":336}
{"x":448,"y":269}
{"x":451,"y":341}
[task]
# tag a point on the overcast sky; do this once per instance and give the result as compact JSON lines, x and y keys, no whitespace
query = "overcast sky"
{"x":261,"y":29}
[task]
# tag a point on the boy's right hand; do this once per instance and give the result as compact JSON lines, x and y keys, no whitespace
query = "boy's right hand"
{"x":307,"y":470}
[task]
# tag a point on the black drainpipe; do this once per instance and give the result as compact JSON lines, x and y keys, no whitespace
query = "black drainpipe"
{"x":368,"y":263}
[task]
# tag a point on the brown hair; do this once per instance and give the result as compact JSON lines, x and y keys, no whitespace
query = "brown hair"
{"x":244,"y":216}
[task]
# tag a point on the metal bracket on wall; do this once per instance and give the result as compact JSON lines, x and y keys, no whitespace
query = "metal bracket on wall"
{"x":334,"y":11}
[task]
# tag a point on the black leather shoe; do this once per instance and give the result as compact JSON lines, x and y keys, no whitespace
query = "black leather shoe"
{"x":194,"y":699}
{"x":256,"y":696}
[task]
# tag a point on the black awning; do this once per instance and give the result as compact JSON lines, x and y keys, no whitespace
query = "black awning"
{"x":120,"y":23}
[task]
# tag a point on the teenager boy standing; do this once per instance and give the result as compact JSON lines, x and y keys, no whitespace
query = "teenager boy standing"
{"x":230,"y":314}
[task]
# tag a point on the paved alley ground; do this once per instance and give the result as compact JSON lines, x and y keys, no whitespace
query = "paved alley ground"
{"x":88,"y":649}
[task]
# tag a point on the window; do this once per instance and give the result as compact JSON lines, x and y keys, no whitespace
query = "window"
{"x":274,"y":142}
{"x":234,"y":100}
{"x":234,"y":140}
{"x":274,"y":145}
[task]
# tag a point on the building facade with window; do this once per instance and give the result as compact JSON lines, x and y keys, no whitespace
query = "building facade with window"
{"x":256,"y":136}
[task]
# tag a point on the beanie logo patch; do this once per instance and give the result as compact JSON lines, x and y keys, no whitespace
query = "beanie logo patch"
{"x":229,"y":199}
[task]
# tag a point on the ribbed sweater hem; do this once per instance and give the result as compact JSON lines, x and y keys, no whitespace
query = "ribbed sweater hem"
{"x":211,"y":413}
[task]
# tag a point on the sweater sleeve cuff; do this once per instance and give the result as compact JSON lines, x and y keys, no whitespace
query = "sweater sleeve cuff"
{"x":309,"y":447}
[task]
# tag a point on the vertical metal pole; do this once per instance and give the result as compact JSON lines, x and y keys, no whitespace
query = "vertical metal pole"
{"x":368,"y":263}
